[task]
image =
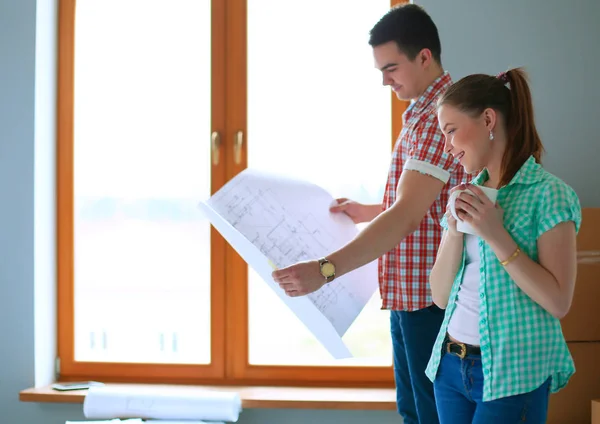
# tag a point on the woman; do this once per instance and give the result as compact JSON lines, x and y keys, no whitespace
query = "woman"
{"x":500,"y":350}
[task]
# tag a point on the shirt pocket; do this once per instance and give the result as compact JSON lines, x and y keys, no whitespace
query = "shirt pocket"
{"x":521,"y":228}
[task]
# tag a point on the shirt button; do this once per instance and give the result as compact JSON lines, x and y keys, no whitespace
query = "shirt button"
{"x":486,"y":371}
{"x":481,"y":295}
{"x":484,"y":321}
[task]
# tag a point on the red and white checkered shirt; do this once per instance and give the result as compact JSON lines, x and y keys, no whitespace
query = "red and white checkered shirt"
{"x":404,"y":270}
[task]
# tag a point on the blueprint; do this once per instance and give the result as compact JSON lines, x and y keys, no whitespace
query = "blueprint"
{"x":274,"y":221}
{"x":186,"y":404}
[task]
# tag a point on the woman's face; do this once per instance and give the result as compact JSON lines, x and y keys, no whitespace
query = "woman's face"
{"x":466,"y":138}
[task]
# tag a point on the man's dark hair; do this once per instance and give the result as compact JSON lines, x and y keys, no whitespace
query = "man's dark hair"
{"x":411,"y":28}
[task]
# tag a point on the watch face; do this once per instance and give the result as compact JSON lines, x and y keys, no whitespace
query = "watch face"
{"x":328,"y":269}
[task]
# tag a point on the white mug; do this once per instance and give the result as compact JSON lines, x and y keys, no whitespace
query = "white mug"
{"x":462,"y":226}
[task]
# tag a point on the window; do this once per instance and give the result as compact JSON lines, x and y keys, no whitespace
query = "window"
{"x":152,"y":96}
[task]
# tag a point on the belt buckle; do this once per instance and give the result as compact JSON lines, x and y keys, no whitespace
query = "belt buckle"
{"x":463,"y":349}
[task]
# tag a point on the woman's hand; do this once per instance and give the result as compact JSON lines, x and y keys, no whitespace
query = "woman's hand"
{"x":452,"y":231}
{"x":485,"y":217}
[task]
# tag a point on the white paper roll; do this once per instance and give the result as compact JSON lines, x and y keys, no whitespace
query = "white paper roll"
{"x":185,"y":403}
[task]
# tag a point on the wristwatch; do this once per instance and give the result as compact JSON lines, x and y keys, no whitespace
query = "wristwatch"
{"x":327,"y":269}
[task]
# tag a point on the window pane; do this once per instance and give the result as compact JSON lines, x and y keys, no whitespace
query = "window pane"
{"x":317,"y":111}
{"x":142,"y":125}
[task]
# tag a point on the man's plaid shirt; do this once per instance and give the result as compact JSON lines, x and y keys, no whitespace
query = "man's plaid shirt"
{"x":404,"y":270}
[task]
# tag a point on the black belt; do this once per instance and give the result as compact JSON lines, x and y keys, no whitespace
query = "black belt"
{"x":460,"y":349}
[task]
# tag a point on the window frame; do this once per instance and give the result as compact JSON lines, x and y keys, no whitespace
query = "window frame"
{"x":229,"y":317}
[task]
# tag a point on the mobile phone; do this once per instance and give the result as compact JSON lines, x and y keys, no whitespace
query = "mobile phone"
{"x":75,"y":385}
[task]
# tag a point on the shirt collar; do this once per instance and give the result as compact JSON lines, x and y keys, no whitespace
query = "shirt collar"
{"x":530,"y":172}
{"x":436,"y":88}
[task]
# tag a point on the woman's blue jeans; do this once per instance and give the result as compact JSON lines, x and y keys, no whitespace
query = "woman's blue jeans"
{"x":458,"y":389}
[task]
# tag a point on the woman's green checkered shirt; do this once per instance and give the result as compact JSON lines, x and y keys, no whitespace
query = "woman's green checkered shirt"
{"x":521,"y":343}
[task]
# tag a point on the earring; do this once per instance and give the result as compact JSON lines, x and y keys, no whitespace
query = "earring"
{"x":491,"y":135}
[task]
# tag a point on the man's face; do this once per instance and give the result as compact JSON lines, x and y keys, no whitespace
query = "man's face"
{"x":401,"y":74}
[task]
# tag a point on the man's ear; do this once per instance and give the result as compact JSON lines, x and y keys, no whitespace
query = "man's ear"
{"x":425,"y":58}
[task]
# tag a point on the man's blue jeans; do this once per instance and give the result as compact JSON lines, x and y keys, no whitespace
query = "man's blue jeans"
{"x":458,"y":393}
{"x":413,"y":336}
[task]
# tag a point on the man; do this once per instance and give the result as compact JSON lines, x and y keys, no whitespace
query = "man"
{"x":404,"y":232}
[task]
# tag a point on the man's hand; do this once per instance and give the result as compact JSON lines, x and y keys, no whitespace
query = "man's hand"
{"x":300,"y":279}
{"x":357,"y":212}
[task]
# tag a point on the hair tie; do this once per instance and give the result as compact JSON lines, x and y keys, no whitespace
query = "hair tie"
{"x":503,"y":76}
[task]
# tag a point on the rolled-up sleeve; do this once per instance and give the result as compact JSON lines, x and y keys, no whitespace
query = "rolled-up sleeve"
{"x":557,"y":203}
{"x":427,"y":154}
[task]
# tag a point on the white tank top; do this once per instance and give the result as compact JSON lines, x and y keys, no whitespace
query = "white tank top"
{"x":464,"y":323}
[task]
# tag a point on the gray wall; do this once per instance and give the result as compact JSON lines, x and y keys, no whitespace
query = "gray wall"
{"x":557,"y":42}
{"x":557,"y":53}
{"x":17,"y":100}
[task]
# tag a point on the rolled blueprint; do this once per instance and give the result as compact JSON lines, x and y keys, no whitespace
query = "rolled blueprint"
{"x":160,"y":403}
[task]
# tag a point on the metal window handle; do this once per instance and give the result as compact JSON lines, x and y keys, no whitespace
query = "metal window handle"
{"x":215,"y":145}
{"x":237,"y":147}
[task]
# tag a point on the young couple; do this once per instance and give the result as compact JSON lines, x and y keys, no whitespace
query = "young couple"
{"x":474,"y":317}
